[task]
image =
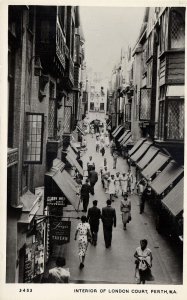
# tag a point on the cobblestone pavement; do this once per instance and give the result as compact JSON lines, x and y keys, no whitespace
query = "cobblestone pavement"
{"x":116,"y":264}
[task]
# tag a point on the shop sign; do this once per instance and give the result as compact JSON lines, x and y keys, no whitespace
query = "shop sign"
{"x":60,"y":231}
{"x":53,"y":201}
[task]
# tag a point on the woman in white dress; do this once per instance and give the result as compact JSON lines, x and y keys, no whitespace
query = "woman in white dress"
{"x":111,"y":187}
{"x":83,"y":231}
{"x":132,"y":182}
{"x":107,"y":142}
{"x":117,"y":184}
{"x":105,"y":177}
{"x":124,"y":183}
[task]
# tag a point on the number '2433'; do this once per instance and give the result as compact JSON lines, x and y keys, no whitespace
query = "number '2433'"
{"x":25,"y":290}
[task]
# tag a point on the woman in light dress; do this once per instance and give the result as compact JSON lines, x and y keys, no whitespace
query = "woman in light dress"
{"x":107,"y":142}
{"x":132,"y":182}
{"x":125,"y":208}
{"x":83,"y":232}
{"x":117,"y":184}
{"x":124,"y":183}
{"x":111,"y":186}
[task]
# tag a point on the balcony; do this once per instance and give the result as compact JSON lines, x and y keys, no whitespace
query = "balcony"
{"x":12,"y":157}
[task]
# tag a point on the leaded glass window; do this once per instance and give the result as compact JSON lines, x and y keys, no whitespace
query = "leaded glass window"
{"x":161,"y":120}
{"x":175,"y":119}
{"x":145,"y":104}
{"x":67,"y":119}
{"x":33,"y":138}
{"x":177,"y":30}
{"x":128,"y":112}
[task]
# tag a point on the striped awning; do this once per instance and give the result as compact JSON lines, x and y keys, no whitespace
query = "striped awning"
{"x":170,"y":173}
{"x":118,"y":131}
{"x":141,"y":151}
{"x":72,"y":159}
{"x":150,"y":154}
{"x":156,"y":164}
{"x":174,"y":200}
{"x":123,"y":135}
{"x":113,"y":132}
{"x":137,"y":146}
{"x":125,"y":139}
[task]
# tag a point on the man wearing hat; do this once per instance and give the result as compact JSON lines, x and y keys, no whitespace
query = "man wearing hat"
{"x":94,"y":214}
{"x":109,"y":220}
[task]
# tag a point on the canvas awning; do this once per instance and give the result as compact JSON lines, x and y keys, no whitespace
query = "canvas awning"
{"x":158,"y":161}
{"x":125,"y":139}
{"x":174,"y":200}
{"x":80,"y":129}
{"x":72,"y":159}
{"x":75,"y":146}
{"x":67,"y":185}
{"x":150,"y":154}
{"x":170,"y":173}
{"x":136,"y":146}
{"x":123,"y":135}
{"x":113,"y":132}
{"x":118,"y":131}
{"x":141,"y":151}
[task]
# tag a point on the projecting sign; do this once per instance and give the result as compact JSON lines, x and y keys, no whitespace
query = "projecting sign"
{"x":60,"y":230}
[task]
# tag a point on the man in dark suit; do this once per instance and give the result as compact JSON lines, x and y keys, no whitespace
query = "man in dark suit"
{"x":94,"y":214}
{"x":85,"y":194}
{"x":109,"y":220}
{"x":93,"y":177}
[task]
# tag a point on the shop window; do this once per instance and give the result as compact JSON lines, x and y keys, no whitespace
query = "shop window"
{"x":102,"y":106}
{"x":161,"y":120}
{"x":128,"y":112}
{"x":91,"y":105}
{"x":177,"y":29}
{"x":164,"y":31}
{"x":145,"y":104}
{"x":52,"y":112}
{"x":33,"y":138}
{"x":175,"y":119}
{"x":67,"y":119}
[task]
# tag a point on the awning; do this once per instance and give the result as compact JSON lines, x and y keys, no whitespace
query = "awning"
{"x":126,"y":138}
{"x":127,"y":142}
{"x":123,"y":135}
{"x":115,"y":130}
{"x":174,"y":200}
{"x":67,"y":185}
{"x":141,"y":151}
{"x":118,"y":131}
{"x":72,"y":159}
{"x":136,"y":146}
{"x":80,"y":129}
{"x":155,"y":165}
{"x":171,"y":172}
{"x":75,"y":146}
{"x":150,"y":154}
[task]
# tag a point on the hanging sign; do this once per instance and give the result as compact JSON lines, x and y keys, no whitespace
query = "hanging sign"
{"x":61,"y":201}
{"x":60,"y":230}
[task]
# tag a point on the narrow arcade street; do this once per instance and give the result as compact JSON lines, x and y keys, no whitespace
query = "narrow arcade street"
{"x":116,"y":264}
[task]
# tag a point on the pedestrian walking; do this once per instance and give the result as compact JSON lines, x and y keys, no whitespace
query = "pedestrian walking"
{"x":59,"y":274}
{"x":90,"y":164}
{"x":124,"y":183}
{"x":143,"y":263}
{"x":131,"y":182}
{"x":111,"y":186}
{"x":85,"y":194}
{"x":93,"y":177}
{"x":105,"y":176}
{"x":125,"y":208}
{"x":94,"y":215}
{"x":144,"y":197}
{"x":84,"y":235}
{"x":115,"y":158}
{"x":102,"y":147}
{"x":92,"y":131}
{"x":108,"y":217}
{"x":117,"y":184}
{"x":97,"y":144}
{"x":112,"y":147}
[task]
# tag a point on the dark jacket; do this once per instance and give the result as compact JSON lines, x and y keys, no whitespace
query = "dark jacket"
{"x":94,"y":214}
{"x":85,"y":190}
{"x":93,"y":176}
{"x":108,"y":216}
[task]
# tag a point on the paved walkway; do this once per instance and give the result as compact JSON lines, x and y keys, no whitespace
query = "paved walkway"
{"x":116,"y":264}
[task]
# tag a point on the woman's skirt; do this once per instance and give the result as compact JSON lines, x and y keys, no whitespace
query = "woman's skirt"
{"x":82,"y":245}
{"x":124,"y":186}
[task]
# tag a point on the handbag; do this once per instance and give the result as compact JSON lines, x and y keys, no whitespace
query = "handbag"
{"x":129,"y":217}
